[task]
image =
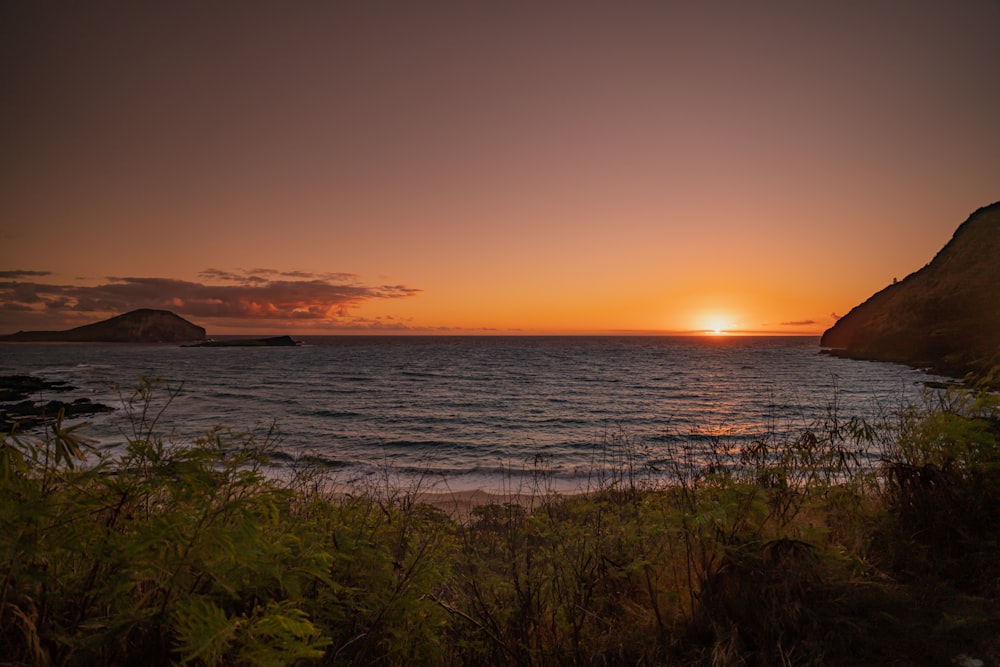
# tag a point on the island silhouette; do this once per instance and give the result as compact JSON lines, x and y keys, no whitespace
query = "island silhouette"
{"x":145,"y":325}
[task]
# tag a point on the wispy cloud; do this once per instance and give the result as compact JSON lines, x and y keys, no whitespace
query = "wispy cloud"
{"x":248,"y":297}
{"x":258,"y":275}
{"x":798,"y":323}
{"x":17,"y":274}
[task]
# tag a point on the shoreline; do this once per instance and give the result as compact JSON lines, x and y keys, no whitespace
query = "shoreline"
{"x":458,"y":504}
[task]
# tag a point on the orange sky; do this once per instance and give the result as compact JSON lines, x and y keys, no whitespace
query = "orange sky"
{"x":536,"y":167}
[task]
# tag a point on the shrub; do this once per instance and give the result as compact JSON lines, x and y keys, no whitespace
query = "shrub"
{"x":778,"y":551}
{"x":942,"y":490}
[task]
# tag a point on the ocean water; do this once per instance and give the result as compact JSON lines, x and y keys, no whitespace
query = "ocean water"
{"x":461,"y":413}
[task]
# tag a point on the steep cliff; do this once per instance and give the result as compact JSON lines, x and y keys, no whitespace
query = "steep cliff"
{"x":946,"y":316}
{"x":138,"y":326}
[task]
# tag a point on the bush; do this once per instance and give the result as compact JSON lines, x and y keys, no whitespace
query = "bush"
{"x":942,"y":491}
{"x":794,"y":551}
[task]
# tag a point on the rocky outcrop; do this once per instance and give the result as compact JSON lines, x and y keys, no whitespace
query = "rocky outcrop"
{"x":945,"y":317}
{"x":139,"y":326}
{"x":23,"y":407}
{"x":273,"y":341}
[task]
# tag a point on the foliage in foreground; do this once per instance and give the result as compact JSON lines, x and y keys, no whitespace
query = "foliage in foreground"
{"x":849,"y":542}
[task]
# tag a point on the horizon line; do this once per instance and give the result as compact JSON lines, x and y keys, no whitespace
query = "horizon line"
{"x":705,"y":333}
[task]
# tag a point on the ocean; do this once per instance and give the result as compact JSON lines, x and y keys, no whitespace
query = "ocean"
{"x":465,"y":412}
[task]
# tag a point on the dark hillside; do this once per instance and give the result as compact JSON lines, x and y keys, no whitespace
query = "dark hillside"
{"x":946,"y":316}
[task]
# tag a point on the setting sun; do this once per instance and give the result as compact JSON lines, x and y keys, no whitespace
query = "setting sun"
{"x":717,"y":325}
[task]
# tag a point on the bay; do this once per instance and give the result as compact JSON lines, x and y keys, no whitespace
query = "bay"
{"x":464,"y":412}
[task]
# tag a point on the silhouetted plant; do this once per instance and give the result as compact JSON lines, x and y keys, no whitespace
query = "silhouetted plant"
{"x":942,"y":488}
{"x":790,"y":547}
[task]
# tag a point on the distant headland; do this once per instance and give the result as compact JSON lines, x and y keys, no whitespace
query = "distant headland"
{"x":945,"y":317}
{"x":138,"y":326}
{"x":144,"y":326}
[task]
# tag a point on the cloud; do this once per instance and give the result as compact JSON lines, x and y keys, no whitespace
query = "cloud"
{"x":17,"y":273}
{"x":254,"y":276}
{"x":240,"y":296}
{"x":798,"y":323}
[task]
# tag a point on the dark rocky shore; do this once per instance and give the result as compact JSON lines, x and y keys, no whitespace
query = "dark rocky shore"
{"x":23,"y":402}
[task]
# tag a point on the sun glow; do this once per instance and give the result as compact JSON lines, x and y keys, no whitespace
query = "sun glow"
{"x":717,"y":325}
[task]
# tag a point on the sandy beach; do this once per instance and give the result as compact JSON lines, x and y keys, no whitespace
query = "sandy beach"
{"x":460,"y":504}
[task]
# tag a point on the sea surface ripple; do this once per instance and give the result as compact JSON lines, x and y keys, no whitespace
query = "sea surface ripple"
{"x":468,"y":412}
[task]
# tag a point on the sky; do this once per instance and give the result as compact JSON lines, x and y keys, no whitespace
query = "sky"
{"x":472,"y":167}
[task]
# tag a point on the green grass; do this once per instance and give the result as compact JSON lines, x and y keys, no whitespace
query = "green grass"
{"x":797,"y":552}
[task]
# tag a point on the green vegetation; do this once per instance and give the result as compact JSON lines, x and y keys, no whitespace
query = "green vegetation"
{"x":854,"y":542}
